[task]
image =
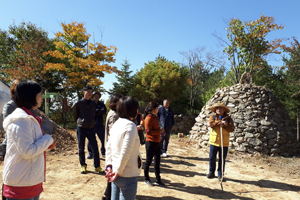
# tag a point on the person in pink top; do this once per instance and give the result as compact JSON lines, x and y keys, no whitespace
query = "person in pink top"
{"x":25,"y":161}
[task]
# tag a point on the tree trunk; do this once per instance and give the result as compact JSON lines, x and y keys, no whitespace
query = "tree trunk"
{"x":298,"y":125}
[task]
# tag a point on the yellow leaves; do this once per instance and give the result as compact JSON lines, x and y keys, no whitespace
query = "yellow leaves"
{"x":55,"y":66}
{"x":80,"y":66}
{"x":77,"y":49}
{"x":59,"y":34}
{"x":75,"y":30}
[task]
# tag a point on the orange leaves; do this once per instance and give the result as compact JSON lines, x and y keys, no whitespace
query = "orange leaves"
{"x":82,"y":62}
{"x":29,"y":62}
{"x":190,"y":82}
{"x":55,"y":67}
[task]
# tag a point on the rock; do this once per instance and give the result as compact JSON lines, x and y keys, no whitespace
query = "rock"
{"x":265,"y":123}
{"x":240,"y":140}
{"x":198,"y":119}
{"x":195,"y":128}
{"x":249,"y":129}
{"x":238,"y":130}
{"x":271,"y":142}
{"x":275,"y":150}
{"x":241,"y":148}
{"x":270,"y":136}
{"x":230,"y":105}
{"x":249,"y":135}
{"x":252,"y":123}
{"x":233,"y":93}
{"x":202,"y":116}
{"x":205,"y":137}
{"x":258,"y":148}
{"x":254,"y":141}
{"x":238,"y":121}
{"x":180,"y":135}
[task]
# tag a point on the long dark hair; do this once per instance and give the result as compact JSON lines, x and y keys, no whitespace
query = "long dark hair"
{"x":114,"y":100}
{"x":127,"y":107}
{"x":151,"y":106}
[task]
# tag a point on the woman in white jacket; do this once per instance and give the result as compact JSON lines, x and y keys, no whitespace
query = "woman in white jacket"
{"x":123,"y":158}
{"x":25,"y":160}
{"x":111,"y":118}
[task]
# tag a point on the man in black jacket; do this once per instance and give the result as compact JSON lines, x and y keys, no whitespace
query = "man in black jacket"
{"x":99,"y":127}
{"x":84,"y":113}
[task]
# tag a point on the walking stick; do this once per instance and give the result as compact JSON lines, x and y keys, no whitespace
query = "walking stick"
{"x":222,"y":154}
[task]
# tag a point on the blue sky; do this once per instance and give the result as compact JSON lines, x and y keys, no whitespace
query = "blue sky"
{"x":141,"y":30}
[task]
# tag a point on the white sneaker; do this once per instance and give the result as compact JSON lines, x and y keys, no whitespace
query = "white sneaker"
{"x":164,"y":155}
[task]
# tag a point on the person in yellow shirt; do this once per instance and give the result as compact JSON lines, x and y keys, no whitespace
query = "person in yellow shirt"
{"x":217,"y":121}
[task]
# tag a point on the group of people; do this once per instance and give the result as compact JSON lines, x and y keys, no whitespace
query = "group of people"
{"x":121,"y":137}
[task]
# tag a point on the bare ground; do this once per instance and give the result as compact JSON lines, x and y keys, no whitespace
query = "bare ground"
{"x":184,"y":173}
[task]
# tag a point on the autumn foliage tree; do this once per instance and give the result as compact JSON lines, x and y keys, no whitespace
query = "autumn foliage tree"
{"x":21,"y":49}
{"x":21,"y":55}
{"x":80,"y":62}
{"x":29,"y":63}
{"x":248,"y":47}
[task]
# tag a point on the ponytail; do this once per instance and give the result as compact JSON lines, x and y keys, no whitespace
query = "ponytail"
{"x":151,"y":106}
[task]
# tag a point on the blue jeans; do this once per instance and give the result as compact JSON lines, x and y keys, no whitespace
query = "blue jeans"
{"x":124,"y":188}
{"x":88,"y":133}
{"x":33,"y":198}
{"x":165,"y":141}
{"x":100,"y":130}
{"x":212,"y":159}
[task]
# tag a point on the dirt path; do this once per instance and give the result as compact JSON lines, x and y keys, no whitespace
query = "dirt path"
{"x":184,"y":173}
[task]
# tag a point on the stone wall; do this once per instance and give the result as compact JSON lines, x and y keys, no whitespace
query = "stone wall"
{"x":183,"y":124}
{"x":261,"y":122}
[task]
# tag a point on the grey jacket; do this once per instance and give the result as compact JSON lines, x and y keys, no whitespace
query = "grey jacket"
{"x":8,"y":108}
{"x":84,"y":113}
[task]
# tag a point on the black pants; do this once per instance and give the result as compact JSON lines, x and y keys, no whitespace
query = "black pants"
{"x":152,"y":150}
{"x":3,"y":197}
{"x":107,"y":192}
{"x":88,"y":133}
{"x":3,"y":150}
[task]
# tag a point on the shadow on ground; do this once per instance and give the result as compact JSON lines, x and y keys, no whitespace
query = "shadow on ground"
{"x":141,"y":197}
{"x":269,"y":184}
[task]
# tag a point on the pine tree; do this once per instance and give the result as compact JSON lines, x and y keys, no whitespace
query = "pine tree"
{"x":125,"y":82}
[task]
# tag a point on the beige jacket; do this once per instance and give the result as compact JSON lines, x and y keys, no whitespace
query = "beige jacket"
{"x":111,"y":118}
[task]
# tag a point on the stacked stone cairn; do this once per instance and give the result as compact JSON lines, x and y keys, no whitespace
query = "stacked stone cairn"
{"x":262,"y":124}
